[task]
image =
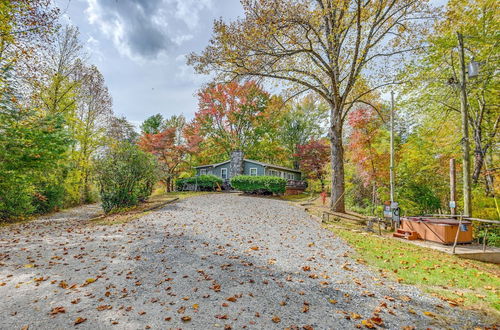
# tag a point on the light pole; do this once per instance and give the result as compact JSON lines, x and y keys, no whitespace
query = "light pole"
{"x":391,"y":172}
{"x":465,"y":130}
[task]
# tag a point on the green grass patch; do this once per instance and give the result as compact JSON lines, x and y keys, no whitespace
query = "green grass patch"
{"x":468,"y":283}
{"x":157,"y":200}
{"x":304,"y":197}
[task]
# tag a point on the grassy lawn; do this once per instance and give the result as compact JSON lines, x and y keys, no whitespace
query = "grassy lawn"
{"x":300,"y":198}
{"x":459,"y":282}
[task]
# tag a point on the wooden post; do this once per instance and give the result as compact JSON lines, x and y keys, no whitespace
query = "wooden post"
{"x":465,"y":132}
{"x":453,"y":186}
{"x":456,"y":235}
{"x":484,"y":238}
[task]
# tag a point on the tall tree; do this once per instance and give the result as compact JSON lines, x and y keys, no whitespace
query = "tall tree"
{"x":121,"y":130}
{"x":305,"y":120}
{"x":59,"y":93}
{"x":171,"y":147}
{"x":368,"y":146}
{"x":231,"y":114}
{"x":25,"y":27}
{"x":436,"y":72}
{"x":313,"y":158}
{"x":152,"y":125}
{"x":324,"y":46}
{"x":93,"y":113}
{"x":31,"y":147}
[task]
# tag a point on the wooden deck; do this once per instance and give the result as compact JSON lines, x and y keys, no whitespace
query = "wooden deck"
{"x":466,"y":251}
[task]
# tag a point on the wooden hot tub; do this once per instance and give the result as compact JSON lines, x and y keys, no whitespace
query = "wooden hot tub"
{"x":438,"y":230}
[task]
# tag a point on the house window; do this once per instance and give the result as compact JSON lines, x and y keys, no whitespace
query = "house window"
{"x":253,"y":171}
{"x":203,"y":172}
{"x":223,"y":173}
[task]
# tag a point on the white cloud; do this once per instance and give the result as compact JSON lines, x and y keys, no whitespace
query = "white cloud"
{"x":144,"y":30}
{"x":186,"y":74}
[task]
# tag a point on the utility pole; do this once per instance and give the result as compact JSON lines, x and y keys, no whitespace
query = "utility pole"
{"x":453,"y":187}
{"x":392,"y":149}
{"x":465,"y":131}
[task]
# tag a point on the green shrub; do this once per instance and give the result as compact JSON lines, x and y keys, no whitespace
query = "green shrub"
{"x":126,"y":176}
{"x":203,"y":182}
{"x":15,"y":196}
{"x":49,"y":196}
{"x":259,"y":184}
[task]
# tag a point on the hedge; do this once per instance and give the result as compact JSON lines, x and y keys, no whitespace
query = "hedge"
{"x":202,"y":182}
{"x":259,"y":184}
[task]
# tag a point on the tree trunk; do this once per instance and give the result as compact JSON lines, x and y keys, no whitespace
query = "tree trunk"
{"x":337,"y":161}
{"x":489,"y":179}
{"x":167,"y":185}
{"x":478,"y":154}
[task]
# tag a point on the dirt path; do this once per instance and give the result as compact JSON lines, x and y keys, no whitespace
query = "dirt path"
{"x":212,"y":261}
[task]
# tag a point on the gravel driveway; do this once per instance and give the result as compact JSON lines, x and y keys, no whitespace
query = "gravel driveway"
{"x":212,"y":261}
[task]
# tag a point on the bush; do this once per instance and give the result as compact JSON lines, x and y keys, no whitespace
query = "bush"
{"x":126,"y":176}
{"x":259,"y":184}
{"x":203,"y":182}
{"x":49,"y":196}
{"x":15,"y":196}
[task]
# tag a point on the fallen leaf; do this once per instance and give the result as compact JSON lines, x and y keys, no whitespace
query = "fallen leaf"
{"x":368,"y":324}
{"x":57,"y":310}
{"x":276,"y":319}
{"x":186,"y":318}
{"x":80,"y":320}
{"x":355,"y":316}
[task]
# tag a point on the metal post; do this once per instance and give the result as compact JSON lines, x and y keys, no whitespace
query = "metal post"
{"x":484,"y":238}
{"x":453,"y":187}
{"x":456,"y":234}
{"x":392,"y":149}
{"x":465,"y":131}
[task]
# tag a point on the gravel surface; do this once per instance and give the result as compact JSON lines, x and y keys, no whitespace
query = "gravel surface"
{"x":212,"y":261}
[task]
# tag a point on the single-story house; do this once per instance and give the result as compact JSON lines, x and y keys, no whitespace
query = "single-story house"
{"x":238,"y":165}
{"x":248,"y":167}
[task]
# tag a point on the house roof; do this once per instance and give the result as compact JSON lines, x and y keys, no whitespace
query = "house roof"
{"x":255,"y":162}
{"x":213,"y":165}
{"x":272,"y":166}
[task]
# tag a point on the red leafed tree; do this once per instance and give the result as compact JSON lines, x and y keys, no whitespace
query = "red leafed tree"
{"x":231,"y":114}
{"x":367,"y":147}
{"x":313,"y":157}
{"x":171,"y":150}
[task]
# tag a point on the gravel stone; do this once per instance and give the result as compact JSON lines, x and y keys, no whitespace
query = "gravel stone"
{"x":206,"y":262}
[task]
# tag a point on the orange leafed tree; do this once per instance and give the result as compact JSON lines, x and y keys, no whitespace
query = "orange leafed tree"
{"x":368,"y":147}
{"x":230,"y":114}
{"x":171,"y":150}
{"x":313,"y":157}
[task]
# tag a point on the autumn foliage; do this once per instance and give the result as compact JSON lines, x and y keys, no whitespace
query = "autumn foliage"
{"x":314,"y":156}
{"x":170,"y":150}
{"x":367,"y":148}
{"x":230,"y":114}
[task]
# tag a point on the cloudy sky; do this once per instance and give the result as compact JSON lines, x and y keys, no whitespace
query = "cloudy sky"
{"x":140,"y":47}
